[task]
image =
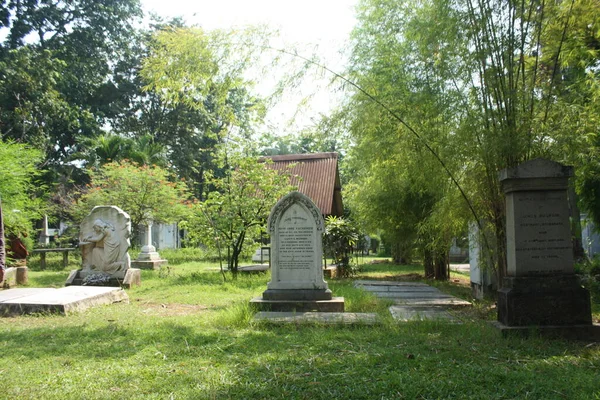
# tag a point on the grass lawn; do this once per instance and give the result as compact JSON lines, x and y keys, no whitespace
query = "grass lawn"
{"x":186,"y":334}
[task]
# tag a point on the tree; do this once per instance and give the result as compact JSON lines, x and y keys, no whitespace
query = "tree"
{"x":21,"y":206}
{"x":236,"y":211}
{"x":55,"y":59}
{"x":477,"y":86}
{"x":340,"y":238}
{"x":145,"y":192}
{"x":196,"y":94}
{"x":108,"y":148}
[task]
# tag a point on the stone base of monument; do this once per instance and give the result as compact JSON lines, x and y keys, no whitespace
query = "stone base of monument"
{"x":330,"y":271}
{"x":14,"y":276}
{"x":297,"y":294}
{"x":10,"y":278}
{"x":552,"y":300}
{"x":132,"y":277}
{"x":148,"y":264}
{"x":62,"y":301}
{"x":589,"y":332}
{"x":22,"y":275}
{"x":335,"y":304}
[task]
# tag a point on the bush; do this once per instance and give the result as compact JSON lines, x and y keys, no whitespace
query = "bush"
{"x":339,"y":240}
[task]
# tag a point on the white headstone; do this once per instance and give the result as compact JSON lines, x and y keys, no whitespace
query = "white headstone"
{"x":296,"y":227}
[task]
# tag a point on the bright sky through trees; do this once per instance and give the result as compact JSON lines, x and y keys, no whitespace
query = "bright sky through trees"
{"x":321,"y":26}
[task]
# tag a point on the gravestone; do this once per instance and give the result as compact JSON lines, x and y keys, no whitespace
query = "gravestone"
{"x":483,"y":278}
{"x":296,"y":228}
{"x":104,"y":241}
{"x":149,"y":257}
{"x":541,"y":288}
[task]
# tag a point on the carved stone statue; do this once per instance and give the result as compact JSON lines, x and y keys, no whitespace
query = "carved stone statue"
{"x":104,"y":241}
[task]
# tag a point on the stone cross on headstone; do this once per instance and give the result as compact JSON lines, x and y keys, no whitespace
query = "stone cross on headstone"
{"x":296,"y":228}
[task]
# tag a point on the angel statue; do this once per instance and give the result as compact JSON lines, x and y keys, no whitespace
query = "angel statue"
{"x":105,"y":241}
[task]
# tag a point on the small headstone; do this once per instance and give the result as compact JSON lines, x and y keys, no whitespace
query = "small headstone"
{"x":148,"y":257}
{"x":104,"y":242}
{"x":296,"y":228}
{"x":261,"y":255}
{"x":541,"y":288}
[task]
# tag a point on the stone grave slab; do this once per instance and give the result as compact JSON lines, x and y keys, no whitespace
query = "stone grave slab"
{"x":414,"y":301}
{"x":62,"y":301}
{"x":364,"y":282}
{"x":330,"y":318}
{"x":11,"y":294}
{"x":254,"y":268}
{"x":411,"y":313}
{"x":449,"y":302}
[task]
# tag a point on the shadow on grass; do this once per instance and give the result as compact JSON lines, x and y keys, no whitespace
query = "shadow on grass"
{"x":48,"y":279}
{"x":115,"y":340}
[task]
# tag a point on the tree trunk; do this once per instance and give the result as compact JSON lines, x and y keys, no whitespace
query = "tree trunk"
{"x":428,"y":264}
{"x":2,"y":246}
{"x":441,"y":266}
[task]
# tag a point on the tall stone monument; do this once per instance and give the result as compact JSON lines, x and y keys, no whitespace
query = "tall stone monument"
{"x":104,"y":241}
{"x":296,"y":228}
{"x":541,"y":288}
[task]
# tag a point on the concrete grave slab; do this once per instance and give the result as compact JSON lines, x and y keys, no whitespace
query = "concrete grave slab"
{"x":318,"y":318}
{"x":413,"y":295}
{"x":63,"y":301}
{"x":415,"y":301}
{"x":451,"y":302}
{"x":408,"y":313}
{"x":363,"y":282}
{"x":11,"y":294}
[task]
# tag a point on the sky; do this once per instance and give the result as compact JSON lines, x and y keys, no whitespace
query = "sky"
{"x":324,"y":25}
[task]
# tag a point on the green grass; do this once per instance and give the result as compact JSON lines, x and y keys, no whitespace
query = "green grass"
{"x":189,"y":335}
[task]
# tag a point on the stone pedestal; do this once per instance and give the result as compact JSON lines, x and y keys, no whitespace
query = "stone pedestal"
{"x":555,"y":300}
{"x":335,"y":304}
{"x":132,"y":277}
{"x":150,"y":260}
{"x":22,"y":275}
{"x":541,"y":290}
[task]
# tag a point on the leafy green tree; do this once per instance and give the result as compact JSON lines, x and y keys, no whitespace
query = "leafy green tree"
{"x":196,"y":95}
{"x":55,"y":60}
{"x":21,"y":207}
{"x":109,"y":148}
{"x":145,"y":192}
{"x":233,"y":215}
{"x":476,"y":86}
{"x":340,"y":239}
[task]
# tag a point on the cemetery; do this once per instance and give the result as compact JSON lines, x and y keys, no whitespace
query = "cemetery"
{"x":351,"y":199}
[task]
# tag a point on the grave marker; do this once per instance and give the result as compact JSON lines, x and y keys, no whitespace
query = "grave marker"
{"x":296,"y":228}
{"x":541,"y":288}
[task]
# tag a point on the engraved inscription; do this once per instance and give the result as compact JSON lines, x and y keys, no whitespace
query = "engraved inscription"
{"x":542,"y":240}
{"x":296,"y":247}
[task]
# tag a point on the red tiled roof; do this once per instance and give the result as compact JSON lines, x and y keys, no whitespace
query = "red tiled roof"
{"x":316,"y":176}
